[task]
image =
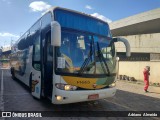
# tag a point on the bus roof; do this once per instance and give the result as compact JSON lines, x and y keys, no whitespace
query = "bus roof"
{"x":54,"y":8}
{"x":51,"y":10}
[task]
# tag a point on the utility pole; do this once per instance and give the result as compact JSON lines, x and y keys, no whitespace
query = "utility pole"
{"x":4,"y":43}
{"x":12,"y":44}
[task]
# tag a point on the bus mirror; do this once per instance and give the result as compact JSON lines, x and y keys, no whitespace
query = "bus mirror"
{"x":55,"y":34}
{"x":126,"y":43}
{"x":50,"y":50}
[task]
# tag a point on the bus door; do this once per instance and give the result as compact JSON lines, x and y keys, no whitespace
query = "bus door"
{"x":48,"y":67}
{"x":36,"y":71}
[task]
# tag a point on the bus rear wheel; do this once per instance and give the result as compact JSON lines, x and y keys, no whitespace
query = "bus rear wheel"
{"x":13,"y":73}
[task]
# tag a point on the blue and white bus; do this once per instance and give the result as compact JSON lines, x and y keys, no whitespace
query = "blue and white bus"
{"x":67,"y":56}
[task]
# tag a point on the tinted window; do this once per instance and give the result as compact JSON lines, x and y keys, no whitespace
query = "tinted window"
{"x":80,"y":22}
{"x":36,"y":53}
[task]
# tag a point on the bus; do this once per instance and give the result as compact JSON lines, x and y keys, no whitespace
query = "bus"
{"x":67,"y":57}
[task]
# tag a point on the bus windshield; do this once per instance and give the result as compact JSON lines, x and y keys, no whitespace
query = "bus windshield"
{"x":84,"y":53}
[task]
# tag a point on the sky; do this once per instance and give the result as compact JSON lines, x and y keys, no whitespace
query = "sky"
{"x":17,"y":16}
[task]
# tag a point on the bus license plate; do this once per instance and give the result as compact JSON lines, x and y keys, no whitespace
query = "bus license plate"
{"x":94,"y":96}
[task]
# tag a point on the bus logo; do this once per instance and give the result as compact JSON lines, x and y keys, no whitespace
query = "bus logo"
{"x":94,"y":85}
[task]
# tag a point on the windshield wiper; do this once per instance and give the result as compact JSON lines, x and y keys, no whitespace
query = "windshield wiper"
{"x":87,"y":60}
{"x":101,"y":58}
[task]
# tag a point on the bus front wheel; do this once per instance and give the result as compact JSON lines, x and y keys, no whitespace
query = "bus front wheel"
{"x":30,"y":83}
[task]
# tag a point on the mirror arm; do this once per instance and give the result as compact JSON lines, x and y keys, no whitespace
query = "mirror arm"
{"x":126,"y":43}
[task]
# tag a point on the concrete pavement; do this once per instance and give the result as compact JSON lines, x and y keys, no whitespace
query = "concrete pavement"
{"x":129,"y":97}
{"x":137,"y":88}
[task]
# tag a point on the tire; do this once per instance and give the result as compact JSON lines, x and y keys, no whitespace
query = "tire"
{"x":13,"y":73}
{"x":30,"y":83}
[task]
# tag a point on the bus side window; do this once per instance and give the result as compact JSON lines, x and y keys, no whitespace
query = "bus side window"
{"x":36,"y":53}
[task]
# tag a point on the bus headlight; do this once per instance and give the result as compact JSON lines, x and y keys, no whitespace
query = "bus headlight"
{"x":113,"y":84}
{"x":65,"y":87}
{"x":59,"y":98}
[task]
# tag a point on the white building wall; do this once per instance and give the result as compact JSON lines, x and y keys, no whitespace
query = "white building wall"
{"x":145,"y":43}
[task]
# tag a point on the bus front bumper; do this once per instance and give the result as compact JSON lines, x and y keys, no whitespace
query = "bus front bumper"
{"x":65,"y":97}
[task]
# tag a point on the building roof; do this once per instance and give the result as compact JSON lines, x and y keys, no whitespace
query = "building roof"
{"x":143,"y":23}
